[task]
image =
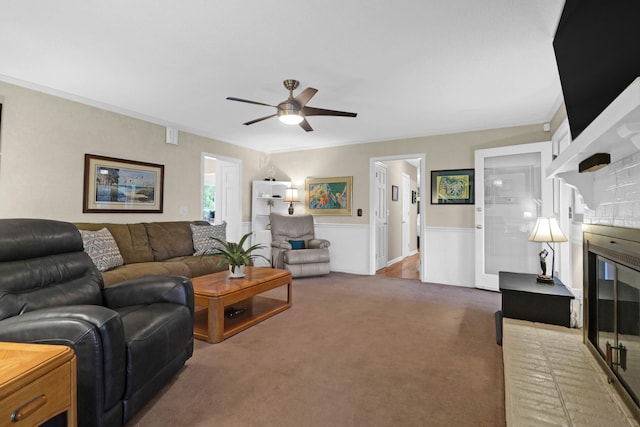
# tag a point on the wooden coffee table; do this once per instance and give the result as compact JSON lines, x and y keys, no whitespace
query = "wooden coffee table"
{"x":241,"y":298}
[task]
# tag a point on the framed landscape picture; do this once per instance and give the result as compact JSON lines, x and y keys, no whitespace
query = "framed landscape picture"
{"x":118,"y":185}
{"x":329,"y":196}
{"x":452,"y":187}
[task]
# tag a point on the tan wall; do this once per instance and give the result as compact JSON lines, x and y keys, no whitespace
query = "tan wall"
{"x":210,"y":165}
{"x":453,"y":151}
{"x":44,"y":139}
{"x":558,"y":118}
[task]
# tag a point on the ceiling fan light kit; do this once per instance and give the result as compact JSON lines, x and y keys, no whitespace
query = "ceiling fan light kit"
{"x":294,"y":111}
{"x":290,"y":113}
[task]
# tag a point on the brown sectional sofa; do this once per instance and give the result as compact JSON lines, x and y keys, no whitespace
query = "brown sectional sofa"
{"x":155,"y":248}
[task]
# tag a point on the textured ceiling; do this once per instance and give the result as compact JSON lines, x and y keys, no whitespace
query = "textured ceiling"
{"x":408,"y":68}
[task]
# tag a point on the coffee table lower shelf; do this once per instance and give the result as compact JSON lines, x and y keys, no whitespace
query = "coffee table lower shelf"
{"x":210,"y":322}
{"x":257,"y":309}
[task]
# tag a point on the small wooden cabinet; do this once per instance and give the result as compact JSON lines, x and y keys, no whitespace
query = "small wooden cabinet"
{"x":266,"y":197}
{"x":37,"y":383}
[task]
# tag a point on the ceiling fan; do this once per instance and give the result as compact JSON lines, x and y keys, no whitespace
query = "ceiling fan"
{"x":294,"y":110}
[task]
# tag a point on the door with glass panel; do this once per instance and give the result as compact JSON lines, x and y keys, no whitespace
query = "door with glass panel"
{"x":511,"y":193}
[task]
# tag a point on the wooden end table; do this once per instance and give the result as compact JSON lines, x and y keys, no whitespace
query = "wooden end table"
{"x":37,"y":382}
{"x":216,"y":293}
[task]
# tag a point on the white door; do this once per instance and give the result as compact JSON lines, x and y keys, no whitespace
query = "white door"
{"x":228,"y":198}
{"x":511,"y":192}
{"x":381,"y":215}
{"x":406,"y":204}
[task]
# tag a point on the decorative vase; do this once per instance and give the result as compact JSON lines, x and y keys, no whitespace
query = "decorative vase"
{"x":239,"y":271}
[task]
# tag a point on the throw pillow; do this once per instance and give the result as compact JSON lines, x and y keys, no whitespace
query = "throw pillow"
{"x":102,"y":248}
{"x":202,"y":237}
{"x":297,"y":244}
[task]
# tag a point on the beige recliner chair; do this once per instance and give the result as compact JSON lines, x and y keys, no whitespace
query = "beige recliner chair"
{"x":295,"y":248}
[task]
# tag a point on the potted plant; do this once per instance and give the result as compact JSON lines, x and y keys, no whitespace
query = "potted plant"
{"x":236,"y":255}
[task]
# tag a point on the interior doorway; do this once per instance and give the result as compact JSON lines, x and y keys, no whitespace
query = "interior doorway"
{"x":210,"y":165}
{"x":401,"y":203}
{"x":221,"y":189}
{"x":408,"y":268}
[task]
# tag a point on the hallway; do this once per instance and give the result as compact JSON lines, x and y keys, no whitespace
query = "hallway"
{"x":408,"y":268}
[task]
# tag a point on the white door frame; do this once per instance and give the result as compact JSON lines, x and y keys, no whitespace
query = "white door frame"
{"x":561,"y":139}
{"x":226,"y":210}
{"x":372,"y":206}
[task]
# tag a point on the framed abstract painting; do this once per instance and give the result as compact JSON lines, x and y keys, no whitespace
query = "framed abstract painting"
{"x":452,"y":187}
{"x":329,"y":196}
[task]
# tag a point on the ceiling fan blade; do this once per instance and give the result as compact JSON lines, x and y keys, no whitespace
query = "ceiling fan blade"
{"x":304,"y":124}
{"x":304,"y":96}
{"x":311,"y":111}
{"x":259,"y":120}
{"x":231,"y":98}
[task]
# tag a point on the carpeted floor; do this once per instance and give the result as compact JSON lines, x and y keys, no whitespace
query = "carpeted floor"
{"x":351,"y":351}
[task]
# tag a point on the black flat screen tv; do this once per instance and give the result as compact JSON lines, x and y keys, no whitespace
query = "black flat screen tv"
{"x":597,"y":49}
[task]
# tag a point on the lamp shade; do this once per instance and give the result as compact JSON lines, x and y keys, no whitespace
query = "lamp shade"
{"x":291,"y":195}
{"x":547,"y":230}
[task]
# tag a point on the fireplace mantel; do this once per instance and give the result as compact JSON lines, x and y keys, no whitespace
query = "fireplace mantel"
{"x":615,"y":131}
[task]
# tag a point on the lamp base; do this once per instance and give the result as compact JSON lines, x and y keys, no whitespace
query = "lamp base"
{"x":291,"y":208}
{"x":545,"y":279}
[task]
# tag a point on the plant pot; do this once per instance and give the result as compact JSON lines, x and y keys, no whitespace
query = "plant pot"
{"x":239,"y":271}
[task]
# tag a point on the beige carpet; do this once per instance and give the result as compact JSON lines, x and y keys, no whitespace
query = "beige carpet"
{"x":352,"y":351}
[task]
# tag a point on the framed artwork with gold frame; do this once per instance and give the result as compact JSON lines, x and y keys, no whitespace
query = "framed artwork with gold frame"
{"x":329,"y":196}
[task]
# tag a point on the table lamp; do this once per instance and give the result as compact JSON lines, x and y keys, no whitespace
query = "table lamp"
{"x":547,"y":231}
{"x":291,"y":195}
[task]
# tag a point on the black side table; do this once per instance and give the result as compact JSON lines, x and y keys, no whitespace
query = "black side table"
{"x":525,"y":299}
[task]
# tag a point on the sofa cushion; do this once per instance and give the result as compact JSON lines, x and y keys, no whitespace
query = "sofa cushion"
{"x":305,"y":256}
{"x":203,"y":237}
{"x":201,"y":265}
{"x":102,"y":249}
{"x":131,"y":239}
{"x":169,"y":239}
{"x":142,"y":269}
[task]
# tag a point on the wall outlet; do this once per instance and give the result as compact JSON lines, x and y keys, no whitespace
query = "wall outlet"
{"x":184,"y":210}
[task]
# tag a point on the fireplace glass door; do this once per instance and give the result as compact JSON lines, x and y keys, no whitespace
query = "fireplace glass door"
{"x":619,"y":321}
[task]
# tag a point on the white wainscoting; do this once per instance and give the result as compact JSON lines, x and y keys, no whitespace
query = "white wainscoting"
{"x":450,"y":251}
{"x":450,"y":255}
{"x":349,"y":246}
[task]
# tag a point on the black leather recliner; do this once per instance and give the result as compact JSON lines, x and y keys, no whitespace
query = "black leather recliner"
{"x":129,"y":339}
